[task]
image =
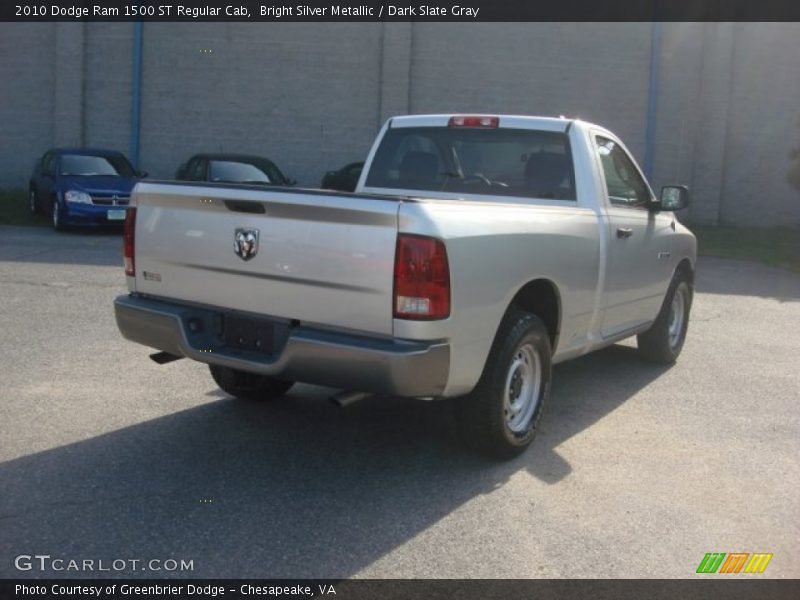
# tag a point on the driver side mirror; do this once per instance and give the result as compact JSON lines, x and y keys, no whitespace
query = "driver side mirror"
{"x":673,"y":197}
{"x":141,"y":174}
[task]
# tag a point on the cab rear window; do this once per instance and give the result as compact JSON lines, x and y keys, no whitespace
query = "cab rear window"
{"x":495,"y":161}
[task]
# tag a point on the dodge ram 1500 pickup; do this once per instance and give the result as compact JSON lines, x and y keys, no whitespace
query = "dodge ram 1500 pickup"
{"x":476,"y":252}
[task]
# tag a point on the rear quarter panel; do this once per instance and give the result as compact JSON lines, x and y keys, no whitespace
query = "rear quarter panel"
{"x":494,"y":249}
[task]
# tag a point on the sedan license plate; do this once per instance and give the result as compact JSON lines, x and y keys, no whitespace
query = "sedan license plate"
{"x":116,"y":215}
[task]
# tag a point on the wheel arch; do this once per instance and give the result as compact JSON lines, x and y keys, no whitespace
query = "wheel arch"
{"x":541,"y":298}
{"x":686,"y":267}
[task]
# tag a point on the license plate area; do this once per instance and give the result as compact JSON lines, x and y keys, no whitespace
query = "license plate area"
{"x":249,"y":335}
{"x":116,"y":214}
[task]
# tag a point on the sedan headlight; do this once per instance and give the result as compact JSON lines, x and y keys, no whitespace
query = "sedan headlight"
{"x":78,"y":197}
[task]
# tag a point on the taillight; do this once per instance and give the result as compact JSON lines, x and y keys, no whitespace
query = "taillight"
{"x":477,"y":121}
{"x":129,"y":242}
{"x":421,"y":278}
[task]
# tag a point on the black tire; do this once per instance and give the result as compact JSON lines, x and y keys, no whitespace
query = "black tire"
{"x":486,"y":416}
{"x":56,"y":216}
{"x":663,"y":342}
{"x":33,"y":205}
{"x":248,"y":386}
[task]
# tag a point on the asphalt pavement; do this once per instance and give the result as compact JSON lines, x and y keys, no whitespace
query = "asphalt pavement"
{"x":638,"y":471}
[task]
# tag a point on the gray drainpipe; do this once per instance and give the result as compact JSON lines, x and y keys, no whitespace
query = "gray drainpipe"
{"x":652,"y":101}
{"x":136,"y":92}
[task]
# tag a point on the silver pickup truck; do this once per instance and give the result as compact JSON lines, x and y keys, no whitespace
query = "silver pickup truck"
{"x":476,"y":252}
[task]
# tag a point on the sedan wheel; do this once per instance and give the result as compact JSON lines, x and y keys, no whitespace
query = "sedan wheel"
{"x":57,"y":218}
{"x":32,"y":202}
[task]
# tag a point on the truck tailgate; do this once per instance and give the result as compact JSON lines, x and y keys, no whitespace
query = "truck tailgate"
{"x":321,"y":258}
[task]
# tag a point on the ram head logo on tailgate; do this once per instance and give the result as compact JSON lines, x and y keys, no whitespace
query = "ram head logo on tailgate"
{"x":245,"y":243}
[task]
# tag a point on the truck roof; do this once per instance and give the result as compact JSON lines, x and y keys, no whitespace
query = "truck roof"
{"x":510,"y":121}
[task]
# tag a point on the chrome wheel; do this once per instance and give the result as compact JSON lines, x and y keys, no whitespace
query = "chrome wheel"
{"x":677,"y":316}
{"x":32,"y":202}
{"x":523,"y":385}
{"x":56,"y":215}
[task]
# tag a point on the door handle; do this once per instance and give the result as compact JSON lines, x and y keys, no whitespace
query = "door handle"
{"x":624,"y":232}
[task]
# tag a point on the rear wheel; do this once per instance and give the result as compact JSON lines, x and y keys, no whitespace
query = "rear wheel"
{"x":500,"y":416}
{"x":663,"y":342}
{"x":248,"y":386}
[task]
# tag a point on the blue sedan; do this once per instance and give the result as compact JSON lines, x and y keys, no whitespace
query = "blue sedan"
{"x":82,"y":187}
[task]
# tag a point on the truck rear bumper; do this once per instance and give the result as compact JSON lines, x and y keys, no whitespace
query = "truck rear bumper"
{"x":305,"y":354}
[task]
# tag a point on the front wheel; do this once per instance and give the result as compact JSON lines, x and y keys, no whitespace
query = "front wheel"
{"x":663,"y":342}
{"x":248,"y":386}
{"x":500,"y":416}
{"x":58,"y":218}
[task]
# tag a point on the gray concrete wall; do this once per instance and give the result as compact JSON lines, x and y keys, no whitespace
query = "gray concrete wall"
{"x":107,"y":90}
{"x":305,"y":95}
{"x":312,"y":96}
{"x":597,"y":72}
{"x":27,"y":99}
{"x":683,"y":47}
{"x":763,"y":125}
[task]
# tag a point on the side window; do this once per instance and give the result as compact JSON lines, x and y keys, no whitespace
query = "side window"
{"x":624,"y":184}
{"x":49,"y":164}
{"x":197,"y":170}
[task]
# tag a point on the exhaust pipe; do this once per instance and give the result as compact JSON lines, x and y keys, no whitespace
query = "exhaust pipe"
{"x":163,"y":358}
{"x":346,"y":398}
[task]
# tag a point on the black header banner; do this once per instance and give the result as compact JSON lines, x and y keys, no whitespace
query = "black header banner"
{"x":403,"y":589}
{"x":469,"y":11}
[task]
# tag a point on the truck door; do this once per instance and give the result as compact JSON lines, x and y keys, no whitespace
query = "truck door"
{"x":637,"y":269}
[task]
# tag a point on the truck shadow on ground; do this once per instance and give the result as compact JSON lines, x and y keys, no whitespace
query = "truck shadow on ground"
{"x":293,"y":488}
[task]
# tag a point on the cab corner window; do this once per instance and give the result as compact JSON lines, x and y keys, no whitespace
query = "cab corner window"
{"x":624,"y":184}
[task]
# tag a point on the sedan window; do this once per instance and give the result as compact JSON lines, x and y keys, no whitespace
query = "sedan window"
{"x":87,"y":166}
{"x":49,"y":164}
{"x":197,"y":170}
{"x":236,"y":172}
